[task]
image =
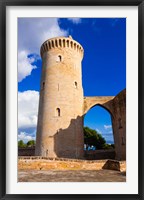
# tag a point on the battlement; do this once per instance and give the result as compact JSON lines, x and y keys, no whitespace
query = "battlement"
{"x":61,"y":42}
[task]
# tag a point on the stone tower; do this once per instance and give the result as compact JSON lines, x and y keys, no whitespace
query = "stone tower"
{"x":60,"y":117}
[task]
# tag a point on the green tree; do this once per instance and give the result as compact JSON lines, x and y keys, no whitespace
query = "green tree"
{"x":92,"y":137}
{"x":31,"y":143}
{"x":21,"y":144}
{"x":108,"y":146}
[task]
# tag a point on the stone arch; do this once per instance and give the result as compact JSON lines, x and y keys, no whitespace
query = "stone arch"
{"x":102,"y":106}
{"x":105,"y":109}
{"x":104,"y":102}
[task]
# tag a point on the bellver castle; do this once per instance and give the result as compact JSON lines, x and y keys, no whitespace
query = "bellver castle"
{"x":62,"y":105}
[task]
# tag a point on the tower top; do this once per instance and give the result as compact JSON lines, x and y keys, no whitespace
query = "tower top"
{"x":61,"y":42}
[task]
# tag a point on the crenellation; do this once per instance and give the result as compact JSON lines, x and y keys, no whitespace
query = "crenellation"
{"x":49,"y":43}
{"x":61,"y":43}
{"x":71,"y":44}
{"x":46,"y":46}
{"x":56,"y":43}
{"x":67,"y":43}
{"x":52,"y":44}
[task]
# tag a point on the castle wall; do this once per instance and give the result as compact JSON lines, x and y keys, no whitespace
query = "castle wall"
{"x":119,"y":124}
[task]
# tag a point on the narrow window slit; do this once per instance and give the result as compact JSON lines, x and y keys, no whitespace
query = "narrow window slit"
{"x":75,"y":84}
{"x":58,"y":112}
{"x":60,"y":58}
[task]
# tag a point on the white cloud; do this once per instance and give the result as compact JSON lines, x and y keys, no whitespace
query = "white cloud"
{"x":107,"y":126}
{"x":32,"y":32}
{"x":25,"y":137}
{"x":75,"y":20}
{"x":25,"y":66}
{"x":28,"y":109}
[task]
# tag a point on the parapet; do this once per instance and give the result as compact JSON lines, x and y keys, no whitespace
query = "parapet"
{"x":61,"y":42}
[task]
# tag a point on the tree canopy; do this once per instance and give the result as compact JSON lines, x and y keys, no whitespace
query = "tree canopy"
{"x":30,"y":143}
{"x":21,"y":144}
{"x":92,"y":137}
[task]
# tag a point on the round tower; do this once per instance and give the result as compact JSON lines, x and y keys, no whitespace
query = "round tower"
{"x":60,"y":117}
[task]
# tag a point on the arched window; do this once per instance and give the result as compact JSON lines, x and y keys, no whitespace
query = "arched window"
{"x":75,"y":84}
{"x":59,"y":58}
{"x":58,"y":112}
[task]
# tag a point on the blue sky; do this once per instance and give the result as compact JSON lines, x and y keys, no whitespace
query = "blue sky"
{"x":103,"y":65}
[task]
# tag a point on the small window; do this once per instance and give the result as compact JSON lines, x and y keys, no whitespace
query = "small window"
{"x":43,"y":85}
{"x":59,"y":58}
{"x":58,"y":112}
{"x":75,"y":84}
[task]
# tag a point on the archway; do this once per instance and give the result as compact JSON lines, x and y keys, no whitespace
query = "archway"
{"x":99,"y":118}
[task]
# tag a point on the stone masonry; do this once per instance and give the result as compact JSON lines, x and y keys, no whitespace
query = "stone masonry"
{"x":62,"y":106}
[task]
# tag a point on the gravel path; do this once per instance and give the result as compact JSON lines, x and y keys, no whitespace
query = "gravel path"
{"x":71,"y":176}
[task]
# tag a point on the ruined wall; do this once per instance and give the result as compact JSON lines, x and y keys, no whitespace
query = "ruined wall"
{"x":116,"y":106}
{"x":119,"y":124}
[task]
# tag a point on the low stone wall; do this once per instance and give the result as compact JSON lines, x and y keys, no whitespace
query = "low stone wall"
{"x":100,"y":154}
{"x":28,"y":151}
{"x":89,"y":155}
{"x":45,"y":163}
